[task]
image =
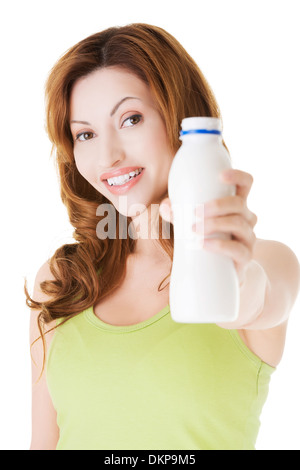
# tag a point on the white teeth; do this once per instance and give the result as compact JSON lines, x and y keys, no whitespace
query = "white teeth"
{"x":119,"y":180}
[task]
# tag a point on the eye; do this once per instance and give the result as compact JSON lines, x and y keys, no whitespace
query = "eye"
{"x":135,"y":119}
{"x":83,"y":136}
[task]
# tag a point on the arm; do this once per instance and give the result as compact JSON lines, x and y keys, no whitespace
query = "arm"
{"x":269,"y":289}
{"x":45,"y":432}
{"x":268,"y":271}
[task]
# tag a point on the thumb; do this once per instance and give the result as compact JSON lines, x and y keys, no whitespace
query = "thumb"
{"x":165,"y":210}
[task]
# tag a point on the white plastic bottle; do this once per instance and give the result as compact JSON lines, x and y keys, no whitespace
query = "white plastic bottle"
{"x":204,"y":285}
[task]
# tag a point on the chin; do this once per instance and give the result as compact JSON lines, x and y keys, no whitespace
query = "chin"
{"x":134,"y":209}
{"x":131,"y":205}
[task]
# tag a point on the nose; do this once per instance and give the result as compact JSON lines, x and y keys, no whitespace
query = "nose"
{"x":110,"y":151}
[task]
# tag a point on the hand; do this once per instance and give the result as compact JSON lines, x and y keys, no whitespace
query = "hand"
{"x":229,"y":215}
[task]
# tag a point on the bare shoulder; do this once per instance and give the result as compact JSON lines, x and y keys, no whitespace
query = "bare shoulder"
{"x":282,"y":268}
{"x":45,"y":432}
{"x":43,"y":274}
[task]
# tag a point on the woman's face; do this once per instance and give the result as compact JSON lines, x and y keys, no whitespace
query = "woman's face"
{"x":113,"y":132}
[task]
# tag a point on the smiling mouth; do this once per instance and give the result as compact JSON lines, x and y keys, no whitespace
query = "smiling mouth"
{"x":123,"y":179}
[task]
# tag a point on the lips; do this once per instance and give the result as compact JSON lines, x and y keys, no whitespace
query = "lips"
{"x":123,"y":188}
{"x":119,"y":172}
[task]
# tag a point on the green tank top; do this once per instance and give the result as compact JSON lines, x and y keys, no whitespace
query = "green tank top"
{"x":155,"y":385}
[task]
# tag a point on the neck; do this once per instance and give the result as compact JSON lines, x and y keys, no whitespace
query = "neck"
{"x":146,"y":228}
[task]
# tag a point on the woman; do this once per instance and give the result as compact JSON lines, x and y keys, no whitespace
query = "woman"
{"x":111,"y":370}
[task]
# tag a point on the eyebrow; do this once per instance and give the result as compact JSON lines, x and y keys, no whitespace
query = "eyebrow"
{"x":122,"y":101}
{"x":114,"y":110}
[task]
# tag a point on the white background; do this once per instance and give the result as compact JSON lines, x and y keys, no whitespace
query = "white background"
{"x":249,"y":52}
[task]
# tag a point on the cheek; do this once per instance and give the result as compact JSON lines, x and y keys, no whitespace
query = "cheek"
{"x":84,"y":168}
{"x":80,"y":166}
{"x":162,"y":145}
{"x":87,"y":171}
{"x":156,"y":145}
{"x":164,"y":154}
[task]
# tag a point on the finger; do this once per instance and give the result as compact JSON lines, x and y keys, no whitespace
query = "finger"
{"x":237,"y":251}
{"x":242,"y":180}
{"x":226,"y":206}
{"x":234,"y":225}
